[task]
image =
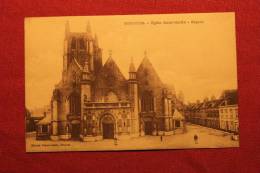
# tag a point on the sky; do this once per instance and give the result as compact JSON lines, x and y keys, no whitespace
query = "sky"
{"x":195,"y":53}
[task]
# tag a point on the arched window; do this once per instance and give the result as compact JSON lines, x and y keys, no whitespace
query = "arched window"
{"x":147,"y":102}
{"x":74,"y":103}
{"x":82,"y":43}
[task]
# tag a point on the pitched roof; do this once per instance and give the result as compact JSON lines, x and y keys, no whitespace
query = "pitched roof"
{"x":231,"y":96}
{"x":110,"y":75}
{"x":147,"y":75}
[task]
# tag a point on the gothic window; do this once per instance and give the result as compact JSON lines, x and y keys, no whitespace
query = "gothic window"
{"x":74,"y":102}
{"x":147,"y":102}
{"x":73,"y":43}
{"x":82,"y":43}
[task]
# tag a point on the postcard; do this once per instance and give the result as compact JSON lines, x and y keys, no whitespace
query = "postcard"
{"x":131,"y":82}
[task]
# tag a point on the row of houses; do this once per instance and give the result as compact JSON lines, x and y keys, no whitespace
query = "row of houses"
{"x":38,"y":120}
{"x":220,"y":113}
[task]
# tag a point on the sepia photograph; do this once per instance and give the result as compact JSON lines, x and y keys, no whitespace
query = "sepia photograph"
{"x":131,"y":82}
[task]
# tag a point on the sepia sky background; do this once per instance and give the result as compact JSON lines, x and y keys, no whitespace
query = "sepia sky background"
{"x":198,"y":59}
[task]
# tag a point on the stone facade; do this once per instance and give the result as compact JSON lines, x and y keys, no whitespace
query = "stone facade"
{"x":95,"y":101}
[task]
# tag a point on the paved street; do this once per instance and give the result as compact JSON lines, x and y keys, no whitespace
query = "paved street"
{"x":208,"y":138}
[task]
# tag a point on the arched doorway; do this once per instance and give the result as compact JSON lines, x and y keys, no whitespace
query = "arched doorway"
{"x":108,"y":127}
{"x":148,"y":127}
{"x":75,"y":130}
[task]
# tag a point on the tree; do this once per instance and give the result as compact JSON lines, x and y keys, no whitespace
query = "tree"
{"x":206,"y":99}
{"x":213,"y":97}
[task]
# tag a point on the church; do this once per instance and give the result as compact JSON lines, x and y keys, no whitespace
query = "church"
{"x":95,"y":101}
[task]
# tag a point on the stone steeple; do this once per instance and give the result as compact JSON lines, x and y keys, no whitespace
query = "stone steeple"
{"x":132,"y":66}
{"x":132,"y":71}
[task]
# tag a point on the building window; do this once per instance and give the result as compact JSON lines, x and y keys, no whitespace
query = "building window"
{"x":82,"y":43}
{"x":74,"y":102}
{"x":147,"y":103}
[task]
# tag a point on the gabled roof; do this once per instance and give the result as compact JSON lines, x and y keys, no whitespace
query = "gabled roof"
{"x":110,"y":75}
{"x":147,"y":75}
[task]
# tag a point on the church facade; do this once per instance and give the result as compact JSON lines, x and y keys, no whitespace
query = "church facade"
{"x":94,"y":101}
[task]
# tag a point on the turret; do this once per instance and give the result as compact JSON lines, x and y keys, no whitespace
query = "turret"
{"x":132,"y":71}
{"x":54,"y":114}
{"x":85,"y":96}
{"x":167,"y":104}
{"x":133,"y":95}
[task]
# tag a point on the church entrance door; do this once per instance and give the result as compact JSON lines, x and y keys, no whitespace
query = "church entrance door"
{"x":108,"y":127}
{"x":75,"y":131}
{"x":148,"y":128}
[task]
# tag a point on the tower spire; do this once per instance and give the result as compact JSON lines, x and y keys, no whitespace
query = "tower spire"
{"x":132,"y":66}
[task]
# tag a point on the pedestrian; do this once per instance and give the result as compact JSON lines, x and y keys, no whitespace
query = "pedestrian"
{"x":115,"y":141}
{"x":196,"y":138}
{"x":161,"y":138}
